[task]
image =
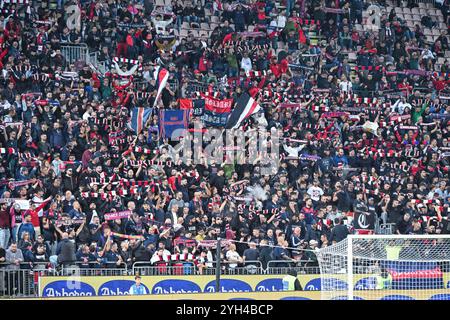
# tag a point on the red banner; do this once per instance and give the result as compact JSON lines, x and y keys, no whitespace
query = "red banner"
{"x":423,"y":274}
{"x":217,"y":105}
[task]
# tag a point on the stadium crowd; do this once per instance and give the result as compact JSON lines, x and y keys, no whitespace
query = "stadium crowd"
{"x":365,"y":120}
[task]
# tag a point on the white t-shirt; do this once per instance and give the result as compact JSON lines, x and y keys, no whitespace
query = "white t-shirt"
{"x":246,"y":64}
{"x":427,"y":54}
{"x":233,"y":255}
{"x":5,"y":104}
{"x":401,"y":106}
{"x":281,"y":21}
{"x":315,"y":193}
{"x":147,"y":75}
{"x":156,"y":258}
{"x":345,"y":86}
{"x":86,"y":115}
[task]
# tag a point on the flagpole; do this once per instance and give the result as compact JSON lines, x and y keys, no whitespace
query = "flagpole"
{"x":218,"y":265}
{"x":221,"y":134}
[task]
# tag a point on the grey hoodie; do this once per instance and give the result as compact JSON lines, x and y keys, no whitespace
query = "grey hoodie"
{"x":11,"y":256}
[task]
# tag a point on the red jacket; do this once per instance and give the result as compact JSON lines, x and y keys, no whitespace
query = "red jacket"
{"x":34,"y":213}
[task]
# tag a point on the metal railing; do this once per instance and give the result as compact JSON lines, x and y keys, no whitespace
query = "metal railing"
{"x":188,"y":268}
{"x":93,"y":57}
{"x":93,"y":269}
{"x":386,"y":228}
{"x":22,"y":280}
{"x":247,"y":268}
{"x":79,"y":53}
{"x":102,"y":66}
{"x":301,"y":266}
{"x":75,"y":52}
{"x":79,"y":272}
{"x":164,"y":269}
{"x":17,"y":283}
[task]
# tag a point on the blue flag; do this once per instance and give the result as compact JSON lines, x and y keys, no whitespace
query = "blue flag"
{"x":211,"y":118}
{"x":139,"y":116}
{"x":171,"y":120}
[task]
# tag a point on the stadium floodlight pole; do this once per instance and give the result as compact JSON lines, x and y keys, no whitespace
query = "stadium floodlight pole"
{"x":218,"y":265}
{"x":350,"y":267}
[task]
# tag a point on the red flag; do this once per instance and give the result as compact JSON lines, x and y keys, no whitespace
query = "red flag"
{"x":185,"y":104}
{"x":301,"y":36}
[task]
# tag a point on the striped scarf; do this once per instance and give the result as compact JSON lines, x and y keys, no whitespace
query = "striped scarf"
{"x":414,"y":153}
{"x":369,"y":68}
{"x":131,"y":61}
{"x":174,"y":257}
{"x":126,"y":236}
{"x":147,"y":163}
{"x":144,"y":150}
{"x":107,"y":195}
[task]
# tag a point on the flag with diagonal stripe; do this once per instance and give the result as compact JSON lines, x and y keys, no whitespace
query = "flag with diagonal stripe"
{"x":245,"y":107}
{"x":161,"y":76}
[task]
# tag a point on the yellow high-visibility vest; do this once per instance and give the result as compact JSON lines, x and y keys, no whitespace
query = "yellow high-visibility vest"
{"x":383,"y":283}
{"x":393,"y":253}
{"x":289,"y":283}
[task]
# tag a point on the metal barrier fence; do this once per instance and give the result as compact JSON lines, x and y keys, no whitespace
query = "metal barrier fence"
{"x":386,"y":228}
{"x":102,"y":66}
{"x":74,"y":270}
{"x":17,"y":283}
{"x":283,"y":266}
{"x":188,"y":268}
{"x":246,"y":270}
{"x":97,"y":271}
{"x":145,"y":269}
{"x":79,"y":53}
{"x":75,"y":52}
{"x":93,"y":57}
{"x":22,"y":280}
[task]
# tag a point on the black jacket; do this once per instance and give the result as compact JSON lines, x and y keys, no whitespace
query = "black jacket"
{"x":339,"y":233}
{"x":265,"y":256}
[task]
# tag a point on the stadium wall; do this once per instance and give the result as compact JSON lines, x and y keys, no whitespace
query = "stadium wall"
{"x":244,"y":286}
